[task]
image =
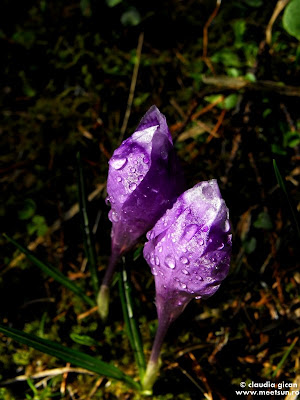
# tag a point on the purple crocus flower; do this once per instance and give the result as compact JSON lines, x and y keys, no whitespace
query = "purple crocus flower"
{"x":144,"y":179}
{"x":188,"y":251}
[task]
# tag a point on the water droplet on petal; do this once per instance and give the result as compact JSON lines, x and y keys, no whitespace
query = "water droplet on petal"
{"x":205,"y":229}
{"x":132,"y":186}
{"x":183,"y":285}
{"x":221,"y":246}
{"x":199,"y":278}
{"x":107,"y":201}
{"x":198,"y":297}
{"x":185,"y":272}
{"x":157,"y":261}
{"x":118,"y":163}
{"x":184,"y":260}
{"x":165,"y":287}
{"x":208,"y":192}
{"x":164,"y":154}
{"x":150,"y":234}
{"x":114,"y":216}
{"x":201,"y":242}
{"x":154,"y":272}
{"x":132,"y":169}
{"x":190,"y":231}
{"x":119,"y":179}
{"x":227,"y":226}
{"x":170,"y":261}
{"x":160,"y":249}
{"x":146,"y":159}
{"x":140,"y":177}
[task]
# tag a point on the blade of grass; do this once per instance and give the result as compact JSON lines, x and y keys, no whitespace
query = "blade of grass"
{"x":53,"y":272}
{"x":69,"y":355}
{"x":285,"y":356}
{"x":130,"y":322}
{"x":283,"y":188}
{"x":87,"y":234}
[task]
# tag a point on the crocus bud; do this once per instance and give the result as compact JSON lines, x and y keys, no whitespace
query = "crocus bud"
{"x":189,"y":255}
{"x":144,"y":179}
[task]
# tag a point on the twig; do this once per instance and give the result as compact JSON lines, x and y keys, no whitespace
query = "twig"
{"x":132,"y":85}
{"x":48,"y":373}
{"x":277,"y":10}
{"x":228,"y":83}
{"x":205,"y":35}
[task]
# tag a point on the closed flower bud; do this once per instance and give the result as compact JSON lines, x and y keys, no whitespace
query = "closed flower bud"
{"x":144,"y":179}
{"x":188,"y":251}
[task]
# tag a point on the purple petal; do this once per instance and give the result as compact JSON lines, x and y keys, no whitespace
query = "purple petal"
{"x":144,"y":180}
{"x":189,"y":249}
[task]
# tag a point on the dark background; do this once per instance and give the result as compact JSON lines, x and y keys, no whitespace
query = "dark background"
{"x":66,"y":70}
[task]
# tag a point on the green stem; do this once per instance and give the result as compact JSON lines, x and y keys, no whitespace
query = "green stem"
{"x":153,"y":365}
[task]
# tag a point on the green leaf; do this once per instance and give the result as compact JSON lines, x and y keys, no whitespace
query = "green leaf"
{"x":87,"y":234}
{"x":230,"y":101}
{"x":53,"y":272}
{"x":291,"y":18}
{"x":131,"y":17}
{"x":250,"y":245}
{"x":112,"y":3}
{"x":291,"y":139}
{"x":83,"y":339}
{"x":38,"y":225}
{"x":28,"y":209}
{"x":226,"y":57}
{"x":68,"y":355}
{"x":130,"y":322}
{"x":263,"y":221}
{"x":285,"y":356}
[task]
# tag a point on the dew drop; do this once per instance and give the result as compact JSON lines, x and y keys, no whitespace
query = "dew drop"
{"x":157,"y":261}
{"x":140,"y":177}
{"x":154,"y":272}
{"x":132,"y":186}
{"x":164,"y":154}
{"x":201,"y":242}
{"x":170,"y":261}
{"x":185,"y":272}
{"x":150,"y":234}
{"x":132,"y":169}
{"x":165,"y":287}
{"x":221,"y":246}
{"x":184,"y":260}
{"x":114,"y":216}
{"x":208,"y":192}
{"x":118,"y":163}
{"x":199,"y":278}
{"x":119,"y":179}
{"x":190,"y":231}
{"x":183,"y":285}
{"x":227,"y":226}
{"x":198,"y":297}
{"x":160,"y":249}
{"x":205,"y":229}
{"x":107,"y":201}
{"x":146,"y":159}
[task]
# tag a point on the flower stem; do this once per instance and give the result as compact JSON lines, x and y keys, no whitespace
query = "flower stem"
{"x":154,"y":361}
{"x":103,"y":295}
